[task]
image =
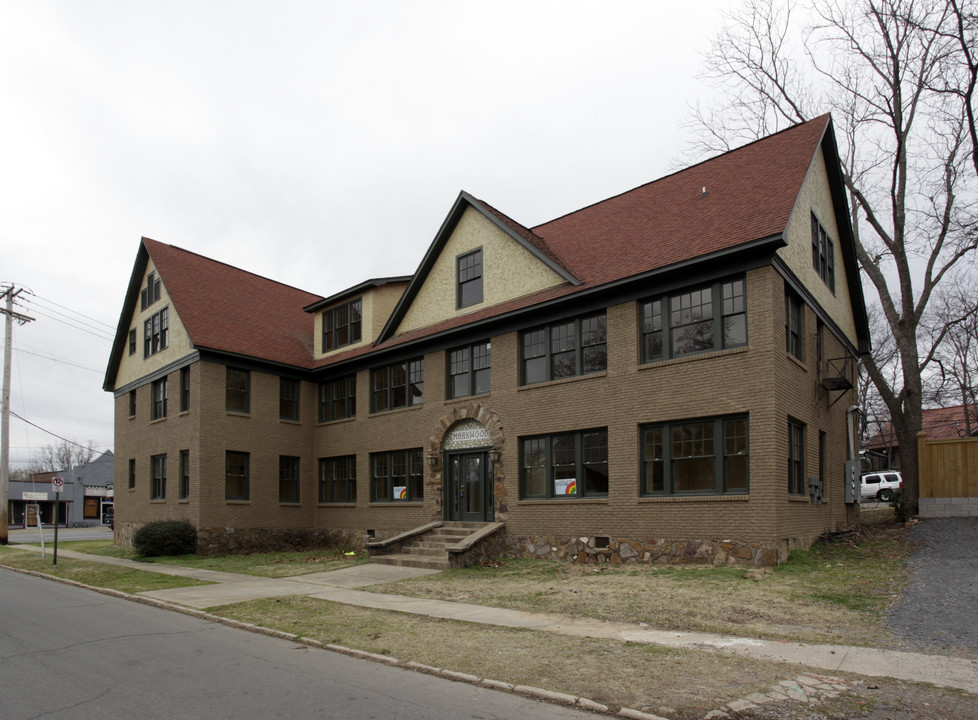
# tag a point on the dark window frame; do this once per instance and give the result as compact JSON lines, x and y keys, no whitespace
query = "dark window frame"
{"x":157,"y":476}
{"x":796,"y":457}
{"x":389,"y":468}
{"x":159,"y":388}
{"x":794,"y":324}
{"x":132,"y":341}
{"x":729,"y":438}
{"x":289,"y":480}
{"x":237,"y":460}
{"x":335,"y":473}
{"x":152,"y":292}
{"x":338,"y":399}
{"x":342,"y":325}
{"x":289,"y":390}
{"x":185,"y":389}
{"x":132,"y":473}
{"x":660,"y":319}
{"x":184,"y":474}
{"x":237,"y":397}
{"x":156,"y":332}
{"x":551,"y":347}
{"x":469,"y":366}
{"x":542,"y":455}
{"x":823,"y":253}
{"x":397,"y":386}
{"x":132,"y":403}
{"x":468,"y":279}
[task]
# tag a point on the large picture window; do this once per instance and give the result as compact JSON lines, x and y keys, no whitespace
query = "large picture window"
{"x":342,"y":325}
{"x":396,"y":386}
{"x":469,"y":267}
{"x":156,"y":333}
{"x":823,"y":254}
{"x":565,"y":349}
{"x":469,"y":370}
{"x":236,"y":475}
{"x":397,"y":476}
{"x":238,"y":390}
{"x":338,"y":399}
{"x":338,"y":479}
{"x":696,"y":457}
{"x":708,"y":318}
{"x":158,"y":485}
{"x":566,"y":465}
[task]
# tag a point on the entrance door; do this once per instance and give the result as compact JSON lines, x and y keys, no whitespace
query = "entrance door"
{"x":467,"y":498}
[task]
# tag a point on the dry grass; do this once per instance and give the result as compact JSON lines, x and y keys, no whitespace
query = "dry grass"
{"x":835,"y":593}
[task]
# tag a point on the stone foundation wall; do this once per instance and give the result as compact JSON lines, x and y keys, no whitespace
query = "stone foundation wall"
{"x":489,"y":548}
{"x":756,"y":553}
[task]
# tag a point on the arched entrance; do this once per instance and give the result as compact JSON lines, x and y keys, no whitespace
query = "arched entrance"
{"x":468,"y":452}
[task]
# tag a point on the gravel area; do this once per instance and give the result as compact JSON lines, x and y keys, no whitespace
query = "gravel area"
{"x":939,"y":603}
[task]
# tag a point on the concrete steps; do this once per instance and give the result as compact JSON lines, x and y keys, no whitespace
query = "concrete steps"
{"x":430,"y":549}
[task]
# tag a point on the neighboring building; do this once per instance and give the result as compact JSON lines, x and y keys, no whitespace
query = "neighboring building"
{"x":944,"y":423}
{"x":86,"y":491}
{"x":663,"y":376}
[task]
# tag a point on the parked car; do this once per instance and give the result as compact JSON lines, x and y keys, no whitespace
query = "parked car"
{"x":108,"y":517}
{"x":880,"y":485}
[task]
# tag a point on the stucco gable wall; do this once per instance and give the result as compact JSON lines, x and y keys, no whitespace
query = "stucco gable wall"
{"x":509,"y":271}
{"x":132,"y":367}
{"x":816,"y":197}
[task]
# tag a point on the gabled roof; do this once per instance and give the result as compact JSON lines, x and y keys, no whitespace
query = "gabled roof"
{"x":354,"y":291}
{"x":223,"y":308}
{"x":943,"y":423}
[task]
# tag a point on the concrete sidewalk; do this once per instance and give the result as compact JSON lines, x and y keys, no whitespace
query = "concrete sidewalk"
{"x":342,"y":586}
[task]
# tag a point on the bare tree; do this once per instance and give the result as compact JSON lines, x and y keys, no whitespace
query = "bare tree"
{"x":957,"y":357}
{"x":61,"y":457}
{"x":880,"y":67}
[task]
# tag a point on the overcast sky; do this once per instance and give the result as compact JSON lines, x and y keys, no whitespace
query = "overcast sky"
{"x":316,"y":143}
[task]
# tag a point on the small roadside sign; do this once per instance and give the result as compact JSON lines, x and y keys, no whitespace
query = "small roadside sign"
{"x":57,"y":484}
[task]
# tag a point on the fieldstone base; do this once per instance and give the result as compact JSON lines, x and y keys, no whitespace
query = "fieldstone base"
{"x":618,"y":551}
{"x":947,"y":507}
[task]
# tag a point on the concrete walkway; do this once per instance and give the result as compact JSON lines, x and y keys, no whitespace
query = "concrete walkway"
{"x":342,"y":586}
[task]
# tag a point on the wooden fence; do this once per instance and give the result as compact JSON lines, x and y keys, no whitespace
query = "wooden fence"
{"x":948,"y":473}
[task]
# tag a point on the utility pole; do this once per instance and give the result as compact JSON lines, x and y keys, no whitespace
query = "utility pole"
{"x":9,"y":292}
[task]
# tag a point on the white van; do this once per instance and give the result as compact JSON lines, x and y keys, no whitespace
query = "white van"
{"x":880,"y":485}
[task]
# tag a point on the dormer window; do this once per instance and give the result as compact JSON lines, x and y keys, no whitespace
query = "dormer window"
{"x":469,"y":283}
{"x":342,"y":325}
{"x":151,"y":293}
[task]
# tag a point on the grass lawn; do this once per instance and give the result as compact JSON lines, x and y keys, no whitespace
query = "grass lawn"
{"x":92,"y":573}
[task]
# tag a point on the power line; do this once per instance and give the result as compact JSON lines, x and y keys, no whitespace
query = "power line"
{"x":54,"y":434}
{"x":57,"y":360}
{"x":95,"y":332}
{"x":52,"y":302}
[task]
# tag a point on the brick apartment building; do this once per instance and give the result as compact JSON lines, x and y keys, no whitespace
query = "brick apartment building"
{"x":662,"y":376}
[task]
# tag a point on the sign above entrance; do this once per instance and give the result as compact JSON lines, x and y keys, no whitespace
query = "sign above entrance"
{"x":467,"y":434}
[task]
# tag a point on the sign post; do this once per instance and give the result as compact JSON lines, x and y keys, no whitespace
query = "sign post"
{"x":57,"y":484}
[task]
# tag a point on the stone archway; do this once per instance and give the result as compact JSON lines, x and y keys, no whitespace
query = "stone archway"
{"x":436,"y":447}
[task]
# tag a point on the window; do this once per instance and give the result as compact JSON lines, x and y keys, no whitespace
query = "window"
{"x":565,"y":465}
{"x":696,"y":457}
{"x":469,"y":370}
{"x":288,"y":401}
{"x":792,"y":323}
{"x":288,"y":479}
{"x":184,"y":389}
{"x":338,"y":399}
{"x":158,"y":485}
{"x":156,"y":333}
{"x":796,"y":458}
{"x":469,"y":267}
{"x":565,"y":349}
{"x":238,"y":391}
{"x":397,"y":475}
{"x":184,"y":474}
{"x":822,"y":447}
{"x":132,"y":474}
{"x":159,"y":399}
{"x":823,"y":254}
{"x":338,"y":479}
{"x":132,"y":403}
{"x":398,"y":385}
{"x":236,"y":483}
{"x":685,"y":323}
{"x":342,"y":325}
{"x":132,"y":341}
{"x":151,"y":293}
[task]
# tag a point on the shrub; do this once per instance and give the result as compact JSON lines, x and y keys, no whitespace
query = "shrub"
{"x":902,"y":509}
{"x":165,"y":537}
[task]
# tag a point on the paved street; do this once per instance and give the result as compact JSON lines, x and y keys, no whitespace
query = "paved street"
{"x":71,"y":653}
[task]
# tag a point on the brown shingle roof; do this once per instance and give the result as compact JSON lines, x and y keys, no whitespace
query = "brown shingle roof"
{"x":228,"y":309}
